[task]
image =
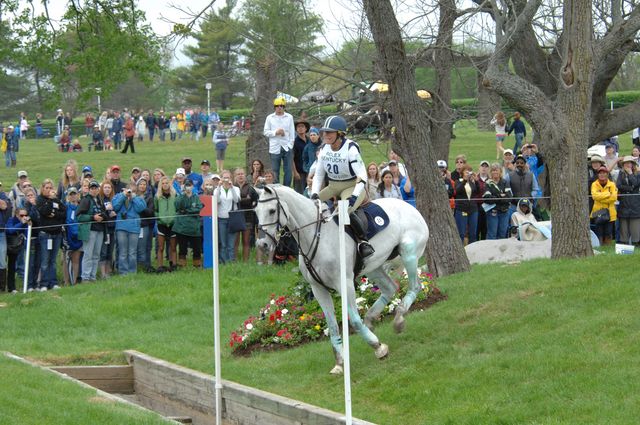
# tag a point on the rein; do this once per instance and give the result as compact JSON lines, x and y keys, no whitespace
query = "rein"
{"x":315,"y":242}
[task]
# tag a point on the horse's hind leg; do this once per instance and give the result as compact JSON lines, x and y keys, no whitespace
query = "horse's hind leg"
{"x":409,"y":253}
{"x":326,"y":303}
{"x":387,"y":289}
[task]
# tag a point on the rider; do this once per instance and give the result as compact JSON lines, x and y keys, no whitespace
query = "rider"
{"x":340,"y":161}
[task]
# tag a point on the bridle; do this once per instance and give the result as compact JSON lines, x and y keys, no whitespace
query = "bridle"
{"x":280,"y":232}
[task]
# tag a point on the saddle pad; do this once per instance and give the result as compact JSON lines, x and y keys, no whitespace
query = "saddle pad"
{"x":377,"y":219}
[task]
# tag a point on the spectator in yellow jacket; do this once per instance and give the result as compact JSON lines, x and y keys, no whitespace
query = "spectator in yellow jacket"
{"x":605,"y":194}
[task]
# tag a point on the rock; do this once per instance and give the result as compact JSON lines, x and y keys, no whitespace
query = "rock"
{"x":507,"y":251}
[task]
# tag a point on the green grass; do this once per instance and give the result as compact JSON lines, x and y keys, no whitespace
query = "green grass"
{"x":550,"y":342}
{"x":540,"y":342}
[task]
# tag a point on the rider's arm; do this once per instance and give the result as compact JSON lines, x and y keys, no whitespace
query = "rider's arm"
{"x":318,"y":177}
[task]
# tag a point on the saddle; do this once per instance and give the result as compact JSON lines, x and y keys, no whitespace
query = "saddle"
{"x":373,"y":219}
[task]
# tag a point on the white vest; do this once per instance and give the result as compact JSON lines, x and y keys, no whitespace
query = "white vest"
{"x":338,"y":164}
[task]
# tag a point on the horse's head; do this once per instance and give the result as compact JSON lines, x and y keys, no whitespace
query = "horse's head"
{"x":273,"y":216}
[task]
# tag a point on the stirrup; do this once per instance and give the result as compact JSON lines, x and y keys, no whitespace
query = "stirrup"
{"x":365,"y":249}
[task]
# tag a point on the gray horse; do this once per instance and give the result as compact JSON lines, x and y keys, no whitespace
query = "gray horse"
{"x":406,"y":235}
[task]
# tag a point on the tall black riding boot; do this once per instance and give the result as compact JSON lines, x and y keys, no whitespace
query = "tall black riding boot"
{"x":3,"y":280}
{"x":364,"y":247}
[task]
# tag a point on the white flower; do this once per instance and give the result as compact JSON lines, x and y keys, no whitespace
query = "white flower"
{"x":244,"y":337}
{"x":395,"y":301}
{"x":284,"y":311}
{"x":360,"y":300}
{"x":273,"y":302}
{"x":391,"y":307}
{"x":326,"y":331}
{"x":249,"y":326}
{"x":364,"y":287}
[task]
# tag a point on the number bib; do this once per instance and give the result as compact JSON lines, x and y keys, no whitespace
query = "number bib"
{"x":337,"y":164}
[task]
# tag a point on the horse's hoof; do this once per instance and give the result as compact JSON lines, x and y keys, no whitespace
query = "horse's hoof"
{"x":398,"y":321}
{"x":337,"y":370}
{"x":382,"y":351}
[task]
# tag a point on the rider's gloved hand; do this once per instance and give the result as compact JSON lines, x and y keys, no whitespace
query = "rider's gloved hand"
{"x":352,"y":200}
{"x":315,"y":196}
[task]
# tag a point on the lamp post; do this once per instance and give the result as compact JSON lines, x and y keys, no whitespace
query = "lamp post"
{"x":208,"y":87}
{"x":98,"y":90}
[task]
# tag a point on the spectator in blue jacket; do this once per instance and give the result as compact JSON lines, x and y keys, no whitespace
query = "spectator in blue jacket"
{"x":13,"y":146}
{"x":128,"y":206}
{"x":309,"y":153}
{"x":5,"y":214}
{"x":116,"y":131}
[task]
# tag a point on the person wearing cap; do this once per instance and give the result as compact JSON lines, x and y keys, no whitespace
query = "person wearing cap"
{"x":205,"y":168}
{"x":605,"y":194}
{"x":220,"y":141}
{"x":341,"y":163}
{"x":523,"y":183}
{"x":179,"y":180}
{"x":87,"y":172}
{"x":53,"y":213}
{"x":507,"y":164}
{"x":445,"y":175}
{"x":116,"y":182}
{"x":16,"y":194}
{"x":628,"y":185}
{"x":595,"y":162}
{"x":135,"y":175}
{"x":279,"y":128}
{"x":310,"y":153}
{"x":611,"y":158}
{"x":300,"y":142}
{"x":72,"y":245}
{"x":195,"y":178}
{"x":187,"y":225}
{"x":92,"y":216}
{"x":128,"y":207}
{"x":12,"y":147}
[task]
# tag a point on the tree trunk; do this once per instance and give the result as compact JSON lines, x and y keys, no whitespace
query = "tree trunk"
{"x":445,"y":253}
{"x":442,"y":114}
{"x":257,"y":145}
{"x":566,"y":153}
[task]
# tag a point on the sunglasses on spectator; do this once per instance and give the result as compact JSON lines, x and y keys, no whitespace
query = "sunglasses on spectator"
{"x":23,"y":215}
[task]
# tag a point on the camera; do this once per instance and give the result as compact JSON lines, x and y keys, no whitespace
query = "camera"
{"x":128,"y":191}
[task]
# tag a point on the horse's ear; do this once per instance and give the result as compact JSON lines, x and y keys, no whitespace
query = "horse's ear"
{"x":268,"y":190}
{"x":259,"y":191}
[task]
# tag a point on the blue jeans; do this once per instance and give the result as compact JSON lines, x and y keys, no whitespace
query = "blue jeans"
{"x":144,"y":247}
{"x":34,"y":263}
{"x":464,"y":221}
{"x":226,"y":241}
{"x":127,"y":250}
{"x":91,"y":256}
{"x":3,"y":250}
{"x":48,"y":257}
{"x":9,"y":157}
{"x":497,"y":224}
{"x":518,"y":145}
{"x":285,"y":157}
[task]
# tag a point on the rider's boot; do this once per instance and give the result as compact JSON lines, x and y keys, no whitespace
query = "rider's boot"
{"x":364,"y":247}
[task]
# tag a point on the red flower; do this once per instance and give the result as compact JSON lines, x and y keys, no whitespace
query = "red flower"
{"x":287,"y":336}
{"x":272,"y":318}
{"x":281,"y":332}
{"x":230,"y":343}
{"x":278,"y":314}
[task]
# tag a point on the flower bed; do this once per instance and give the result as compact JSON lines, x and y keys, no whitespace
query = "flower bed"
{"x":296,"y":318}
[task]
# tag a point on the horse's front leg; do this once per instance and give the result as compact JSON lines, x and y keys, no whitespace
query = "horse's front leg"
{"x":387,"y":289}
{"x":326,"y":303}
{"x":356,"y":322}
{"x":410,"y":260}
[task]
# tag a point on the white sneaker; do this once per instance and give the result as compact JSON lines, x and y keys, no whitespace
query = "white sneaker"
{"x":56,"y":287}
{"x":43,"y":289}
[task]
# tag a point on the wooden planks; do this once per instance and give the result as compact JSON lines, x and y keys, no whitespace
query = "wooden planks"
{"x":111,"y":379}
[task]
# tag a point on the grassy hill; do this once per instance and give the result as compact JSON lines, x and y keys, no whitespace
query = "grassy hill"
{"x":539,"y":342}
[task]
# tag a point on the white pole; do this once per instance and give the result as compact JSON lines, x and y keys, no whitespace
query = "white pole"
{"x":612,"y":105}
{"x":343,"y":219}
{"x":216,"y":307}
{"x":27,"y":258}
{"x":208,"y":102}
